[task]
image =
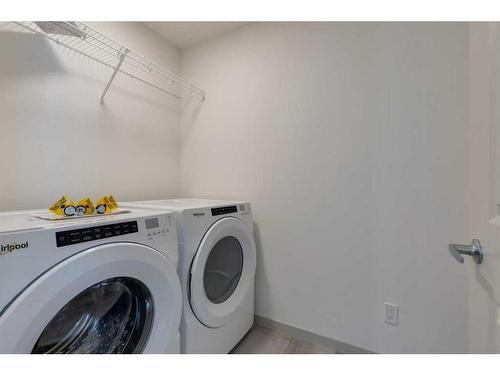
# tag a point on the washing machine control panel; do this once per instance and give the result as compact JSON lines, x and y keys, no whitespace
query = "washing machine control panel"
{"x":159,"y":227}
{"x":95,"y":233}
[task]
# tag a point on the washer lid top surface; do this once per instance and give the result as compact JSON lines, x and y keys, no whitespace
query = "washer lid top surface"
{"x":13,"y":221}
{"x":183,"y":204}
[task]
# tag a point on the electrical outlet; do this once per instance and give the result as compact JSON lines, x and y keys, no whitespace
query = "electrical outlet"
{"x":391,"y":314}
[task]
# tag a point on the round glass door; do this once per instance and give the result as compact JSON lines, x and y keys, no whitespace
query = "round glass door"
{"x":112,"y":316}
{"x":223,"y":269}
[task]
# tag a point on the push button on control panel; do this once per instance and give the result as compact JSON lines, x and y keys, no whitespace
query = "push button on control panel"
{"x":75,"y":236}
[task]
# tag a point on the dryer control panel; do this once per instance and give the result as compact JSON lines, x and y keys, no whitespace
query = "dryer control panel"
{"x":224,"y":210}
{"x":76,"y":236}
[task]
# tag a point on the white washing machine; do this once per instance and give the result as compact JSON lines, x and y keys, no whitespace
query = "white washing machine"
{"x":217,"y":259}
{"x":89,"y":285}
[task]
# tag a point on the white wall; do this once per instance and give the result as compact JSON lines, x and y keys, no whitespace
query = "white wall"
{"x":349,"y":140}
{"x":419,"y":178}
{"x":56,"y":138}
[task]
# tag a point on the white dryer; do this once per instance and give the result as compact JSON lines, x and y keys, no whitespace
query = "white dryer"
{"x":89,"y":285}
{"x":217,"y":259}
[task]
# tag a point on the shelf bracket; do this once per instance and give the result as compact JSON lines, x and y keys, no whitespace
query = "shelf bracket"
{"x":117,"y":68}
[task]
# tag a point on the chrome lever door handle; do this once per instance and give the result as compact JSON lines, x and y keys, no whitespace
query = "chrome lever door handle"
{"x":475,"y":250}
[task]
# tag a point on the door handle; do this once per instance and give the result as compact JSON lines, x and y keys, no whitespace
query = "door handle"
{"x":475,"y":250}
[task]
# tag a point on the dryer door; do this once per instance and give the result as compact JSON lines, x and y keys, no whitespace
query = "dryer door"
{"x":113,"y":298}
{"x":223,"y":270}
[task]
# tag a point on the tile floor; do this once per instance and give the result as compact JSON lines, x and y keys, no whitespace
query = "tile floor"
{"x":261,"y":340}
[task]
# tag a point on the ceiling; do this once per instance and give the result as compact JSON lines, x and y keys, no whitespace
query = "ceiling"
{"x":186,"y":34}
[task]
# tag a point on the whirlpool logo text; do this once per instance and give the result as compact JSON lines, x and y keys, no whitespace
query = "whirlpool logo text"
{"x":9,"y":248}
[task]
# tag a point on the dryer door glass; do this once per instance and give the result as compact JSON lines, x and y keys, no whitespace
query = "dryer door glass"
{"x":223,"y":269}
{"x":113,"y":316}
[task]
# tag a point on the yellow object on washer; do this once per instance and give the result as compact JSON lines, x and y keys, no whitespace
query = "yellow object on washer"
{"x":112,"y":202}
{"x":85,"y":207}
{"x":106,"y":204}
{"x":63,"y":207}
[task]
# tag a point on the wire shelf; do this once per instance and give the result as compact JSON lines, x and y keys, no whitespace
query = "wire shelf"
{"x":96,"y":46}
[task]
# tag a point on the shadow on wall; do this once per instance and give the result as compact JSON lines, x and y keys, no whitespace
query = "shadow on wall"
{"x":189,"y":110}
{"x":261,"y":269}
{"x":494,"y":324}
{"x":26,"y":54}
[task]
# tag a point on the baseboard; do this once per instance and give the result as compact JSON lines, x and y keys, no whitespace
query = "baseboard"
{"x":337,"y":346}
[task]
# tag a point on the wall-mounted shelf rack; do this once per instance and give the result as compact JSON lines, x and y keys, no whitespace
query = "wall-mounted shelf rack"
{"x":96,"y":46}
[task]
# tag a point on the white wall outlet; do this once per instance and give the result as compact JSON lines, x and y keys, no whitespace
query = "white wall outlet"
{"x":391,"y":314}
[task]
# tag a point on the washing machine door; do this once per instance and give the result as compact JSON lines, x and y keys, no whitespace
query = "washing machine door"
{"x":222,"y":271}
{"x":113,"y":298}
